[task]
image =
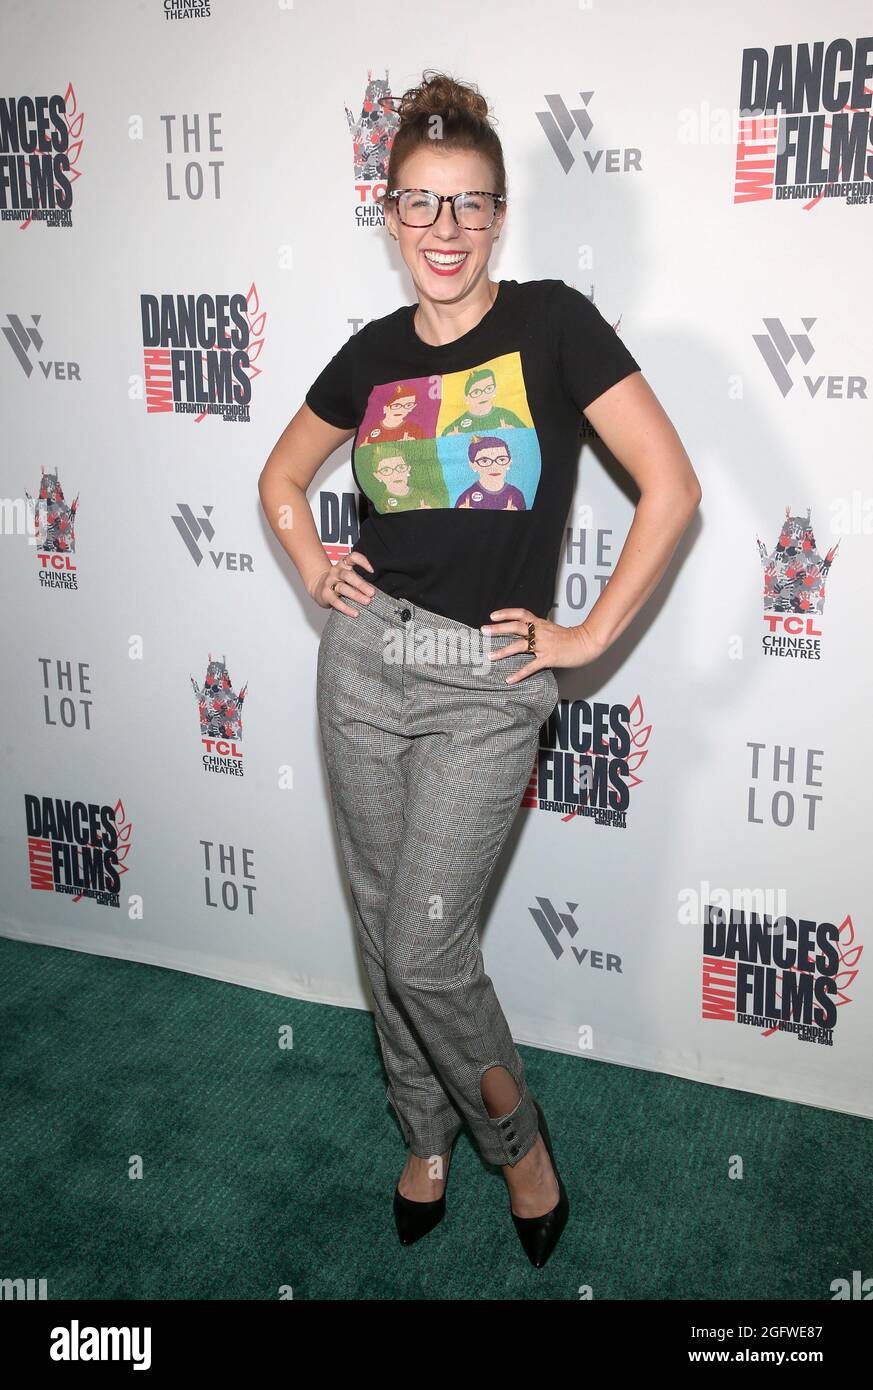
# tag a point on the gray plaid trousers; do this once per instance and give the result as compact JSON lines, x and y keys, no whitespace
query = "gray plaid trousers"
{"x":428,"y":753}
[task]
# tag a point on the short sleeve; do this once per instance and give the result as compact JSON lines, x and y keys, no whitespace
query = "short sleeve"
{"x":331,"y":395}
{"x":591,"y":355}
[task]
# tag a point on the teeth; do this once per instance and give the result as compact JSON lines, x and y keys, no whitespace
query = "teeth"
{"x":442,"y":258}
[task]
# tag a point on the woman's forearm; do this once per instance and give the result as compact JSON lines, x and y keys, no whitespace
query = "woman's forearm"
{"x":660,"y":518}
{"x":287,"y":510}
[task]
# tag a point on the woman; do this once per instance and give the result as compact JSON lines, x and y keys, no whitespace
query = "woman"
{"x":435,"y":668}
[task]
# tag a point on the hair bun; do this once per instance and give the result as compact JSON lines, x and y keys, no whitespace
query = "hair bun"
{"x":441,"y":95}
{"x":443,"y":115}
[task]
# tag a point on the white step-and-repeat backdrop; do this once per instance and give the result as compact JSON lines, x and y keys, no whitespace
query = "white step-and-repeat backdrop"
{"x":189,"y":233}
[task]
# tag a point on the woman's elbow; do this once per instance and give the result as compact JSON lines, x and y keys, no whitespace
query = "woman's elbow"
{"x":266,"y":479}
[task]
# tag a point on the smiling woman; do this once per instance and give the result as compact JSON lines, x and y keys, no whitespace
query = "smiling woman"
{"x":466,"y":410}
{"x":445,"y":203}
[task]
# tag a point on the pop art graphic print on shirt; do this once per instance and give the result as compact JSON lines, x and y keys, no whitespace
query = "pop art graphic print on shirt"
{"x":457,"y":440}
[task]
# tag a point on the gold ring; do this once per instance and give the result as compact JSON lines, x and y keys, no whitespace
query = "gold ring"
{"x":531,"y":638}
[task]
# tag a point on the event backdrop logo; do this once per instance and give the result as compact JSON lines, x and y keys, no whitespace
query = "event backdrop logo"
{"x":199,"y":353}
{"x":372,"y":135}
{"x":779,"y":348}
{"x":794,"y":590}
{"x":804,"y":123}
{"x":193,"y":529}
{"x":54,"y":523}
{"x":588,"y":761}
{"x":338,"y":523}
{"x":561,"y":123}
{"x":552,"y":924}
{"x":40,"y":144}
{"x":21,"y":340}
{"x":220,"y":719}
{"x":77,"y":847}
{"x":186,"y":9}
{"x":780,"y":974}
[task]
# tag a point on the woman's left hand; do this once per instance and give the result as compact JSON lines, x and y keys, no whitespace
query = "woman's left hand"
{"x":554,"y":645}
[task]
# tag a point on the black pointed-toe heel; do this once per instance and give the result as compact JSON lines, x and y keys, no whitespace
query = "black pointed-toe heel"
{"x":540,"y":1234}
{"x":415,"y":1219}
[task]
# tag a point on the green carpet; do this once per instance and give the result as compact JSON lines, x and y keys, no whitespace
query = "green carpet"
{"x":268,"y":1169}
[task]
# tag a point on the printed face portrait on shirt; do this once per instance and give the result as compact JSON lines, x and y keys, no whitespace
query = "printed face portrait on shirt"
{"x":489,"y":393}
{"x":401,"y":477}
{"x":447,"y":427}
{"x":394,"y":422}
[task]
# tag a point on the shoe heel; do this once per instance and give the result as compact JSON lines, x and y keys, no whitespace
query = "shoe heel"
{"x":540,"y":1234}
{"x":415,"y":1219}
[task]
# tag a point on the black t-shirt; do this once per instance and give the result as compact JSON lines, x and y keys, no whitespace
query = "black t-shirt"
{"x":467,"y":453}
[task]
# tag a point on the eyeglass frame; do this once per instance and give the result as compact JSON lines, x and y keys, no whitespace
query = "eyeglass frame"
{"x":448,"y":198}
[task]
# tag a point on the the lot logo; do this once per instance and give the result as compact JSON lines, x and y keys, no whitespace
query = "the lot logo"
{"x":794,"y":589}
{"x":561,"y":123}
{"x":779,"y":348}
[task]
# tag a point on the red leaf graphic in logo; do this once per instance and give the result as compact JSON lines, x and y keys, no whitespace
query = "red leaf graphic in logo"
{"x":256,"y":319}
{"x":640,"y":735}
{"x":122,"y":829}
{"x":74,"y":120}
{"x":849,"y":958}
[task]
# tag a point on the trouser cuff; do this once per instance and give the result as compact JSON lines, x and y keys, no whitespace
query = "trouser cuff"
{"x":506,"y":1139}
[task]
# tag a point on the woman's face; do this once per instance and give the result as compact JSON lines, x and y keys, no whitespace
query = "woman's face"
{"x":445,"y":172}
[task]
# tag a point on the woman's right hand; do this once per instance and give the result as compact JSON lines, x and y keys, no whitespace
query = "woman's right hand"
{"x":340,"y":579}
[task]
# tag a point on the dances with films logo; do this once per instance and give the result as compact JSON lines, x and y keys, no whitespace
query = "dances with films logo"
{"x":804,"y":123}
{"x":340,"y":516}
{"x":777,"y":973}
{"x":54,"y":533}
{"x":794,"y":590}
{"x":589,"y":761}
{"x":77,"y":847}
{"x":40,"y":144}
{"x":220,"y":711}
{"x":372,"y":135}
{"x":199,"y":353}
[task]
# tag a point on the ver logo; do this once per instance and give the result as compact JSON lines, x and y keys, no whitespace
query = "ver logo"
{"x":779,"y":349}
{"x":552,"y":923}
{"x":560,"y":122}
{"x":22,"y":339}
{"x":193,"y":528}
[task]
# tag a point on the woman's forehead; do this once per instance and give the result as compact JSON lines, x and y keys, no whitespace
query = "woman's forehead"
{"x":432,"y":169}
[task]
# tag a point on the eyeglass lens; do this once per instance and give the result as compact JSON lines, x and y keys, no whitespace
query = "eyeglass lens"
{"x":474,"y":211}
